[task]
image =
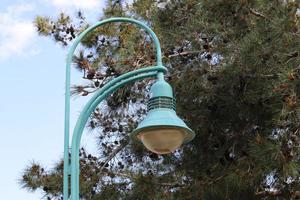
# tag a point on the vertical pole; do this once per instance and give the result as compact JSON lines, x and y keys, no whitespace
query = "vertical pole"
{"x":66,"y":171}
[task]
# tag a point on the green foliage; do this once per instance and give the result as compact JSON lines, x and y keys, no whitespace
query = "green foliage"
{"x":232,"y":187}
{"x":235,"y":69}
{"x":36,"y":177}
{"x":43,"y":24}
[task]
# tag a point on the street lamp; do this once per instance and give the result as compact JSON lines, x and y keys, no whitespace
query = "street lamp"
{"x":161,"y":132}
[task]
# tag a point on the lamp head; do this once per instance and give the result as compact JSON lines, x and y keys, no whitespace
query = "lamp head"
{"x":162,"y":131}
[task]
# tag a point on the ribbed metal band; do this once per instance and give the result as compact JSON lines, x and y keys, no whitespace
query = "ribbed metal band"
{"x":161,"y":102}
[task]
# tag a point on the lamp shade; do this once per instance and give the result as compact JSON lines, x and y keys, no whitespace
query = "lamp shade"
{"x":162,"y":131}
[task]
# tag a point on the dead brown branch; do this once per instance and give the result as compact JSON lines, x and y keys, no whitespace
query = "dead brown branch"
{"x":185,"y":53}
{"x":258,"y":14}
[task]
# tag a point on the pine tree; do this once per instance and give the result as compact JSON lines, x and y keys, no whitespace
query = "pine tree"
{"x":235,"y":69}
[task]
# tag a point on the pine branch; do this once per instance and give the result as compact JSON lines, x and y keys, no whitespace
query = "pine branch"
{"x":113,"y":154}
{"x":185,"y":53}
{"x":268,"y":193}
{"x":124,"y":175}
{"x":254,"y":12}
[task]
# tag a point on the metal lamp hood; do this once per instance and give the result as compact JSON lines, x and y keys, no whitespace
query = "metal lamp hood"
{"x":162,"y":131}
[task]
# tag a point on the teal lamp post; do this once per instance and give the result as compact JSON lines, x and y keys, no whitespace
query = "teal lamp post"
{"x":162,"y":131}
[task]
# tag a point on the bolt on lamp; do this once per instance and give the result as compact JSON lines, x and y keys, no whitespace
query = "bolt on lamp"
{"x":161,"y":131}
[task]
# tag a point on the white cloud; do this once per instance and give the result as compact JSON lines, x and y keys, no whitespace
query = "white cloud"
{"x":77,"y":4}
{"x":17,"y":34}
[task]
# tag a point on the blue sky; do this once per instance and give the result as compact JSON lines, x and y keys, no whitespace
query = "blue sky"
{"x":32,"y":90}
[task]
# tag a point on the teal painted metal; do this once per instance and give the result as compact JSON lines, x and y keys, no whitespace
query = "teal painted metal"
{"x":161,"y":111}
{"x":161,"y":88}
{"x":116,"y":83}
{"x":84,"y":116}
{"x":161,"y":91}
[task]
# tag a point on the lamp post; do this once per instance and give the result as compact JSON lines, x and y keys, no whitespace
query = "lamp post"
{"x":162,"y":131}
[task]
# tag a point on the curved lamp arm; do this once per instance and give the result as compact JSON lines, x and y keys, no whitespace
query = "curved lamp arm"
{"x":101,"y":94}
